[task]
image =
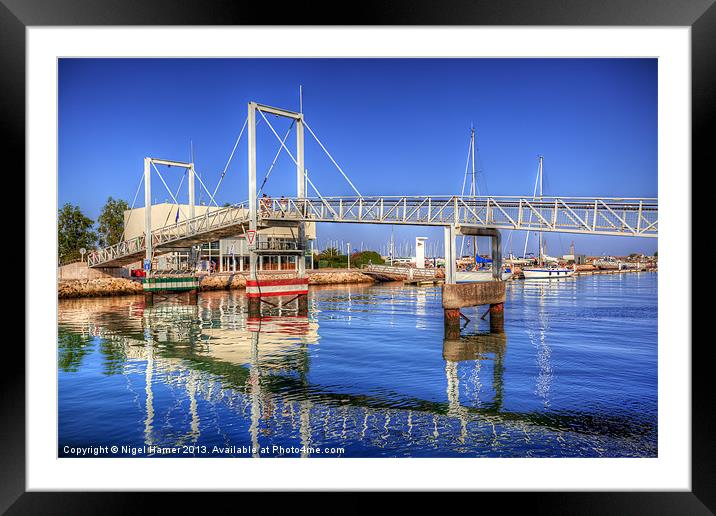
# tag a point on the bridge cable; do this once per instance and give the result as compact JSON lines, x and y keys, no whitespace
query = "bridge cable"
{"x":331,"y":157}
{"x":168,"y":190}
{"x":275,"y":158}
{"x":231,"y":156}
{"x":211,"y":197}
{"x":296,"y":162}
{"x":141,"y":180}
{"x":176,"y":194}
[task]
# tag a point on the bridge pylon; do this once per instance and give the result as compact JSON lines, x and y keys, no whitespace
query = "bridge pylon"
{"x":297,"y":287}
{"x":456,"y":296}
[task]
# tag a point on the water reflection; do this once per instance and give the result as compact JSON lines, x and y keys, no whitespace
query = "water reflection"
{"x":213,"y":376}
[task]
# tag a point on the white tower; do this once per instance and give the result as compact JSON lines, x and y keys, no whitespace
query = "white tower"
{"x":420,"y":252}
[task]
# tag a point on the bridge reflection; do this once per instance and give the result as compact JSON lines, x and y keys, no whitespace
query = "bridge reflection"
{"x":213,"y":354}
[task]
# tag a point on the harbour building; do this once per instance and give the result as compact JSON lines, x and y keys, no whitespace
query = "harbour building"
{"x":228,"y":254}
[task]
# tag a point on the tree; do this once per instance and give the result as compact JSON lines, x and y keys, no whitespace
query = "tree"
{"x":329,"y":253}
{"x":332,"y":258}
{"x":111,"y":222}
{"x":366,"y":257}
{"x":74,"y":231}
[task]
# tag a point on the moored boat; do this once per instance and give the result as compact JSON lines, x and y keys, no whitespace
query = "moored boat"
{"x":543,"y":270}
{"x":547,"y":272}
{"x":479,"y":276}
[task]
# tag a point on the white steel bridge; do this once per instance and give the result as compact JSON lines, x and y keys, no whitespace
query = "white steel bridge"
{"x":584,"y":215}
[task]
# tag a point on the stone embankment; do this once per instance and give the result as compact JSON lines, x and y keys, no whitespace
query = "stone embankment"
{"x":102,"y":287}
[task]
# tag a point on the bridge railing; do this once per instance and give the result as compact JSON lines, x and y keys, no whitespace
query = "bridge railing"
{"x":112,"y":252}
{"x":603,"y":215}
{"x":402,"y":271}
{"x":209,"y":221}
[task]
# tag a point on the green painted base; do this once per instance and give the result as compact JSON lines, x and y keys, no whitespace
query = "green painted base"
{"x":170,"y":284}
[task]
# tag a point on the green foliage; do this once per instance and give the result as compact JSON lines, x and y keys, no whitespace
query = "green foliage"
{"x":332,"y":258}
{"x":74,"y":231}
{"x":656,"y":254}
{"x":71,"y":349}
{"x":110,"y":223}
{"x":366,"y":257}
{"x":329,"y":254}
{"x":333,"y":262}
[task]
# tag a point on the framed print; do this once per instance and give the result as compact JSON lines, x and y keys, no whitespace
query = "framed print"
{"x":419,"y":253}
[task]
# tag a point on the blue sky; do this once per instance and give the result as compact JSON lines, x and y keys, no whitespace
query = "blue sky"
{"x":396,"y":126}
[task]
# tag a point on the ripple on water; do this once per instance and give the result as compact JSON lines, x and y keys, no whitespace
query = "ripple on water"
{"x":370,"y":371}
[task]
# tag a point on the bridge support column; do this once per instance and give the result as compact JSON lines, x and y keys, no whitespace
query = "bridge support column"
{"x":300,"y":194}
{"x":148,"y":208}
{"x":491,"y":293}
{"x":495,"y":240}
{"x":302,"y":304}
{"x":452,"y":320}
{"x":497,"y":318}
{"x":302,"y":300}
{"x":253,"y":302}
{"x":449,"y":233}
{"x":254,"y":307}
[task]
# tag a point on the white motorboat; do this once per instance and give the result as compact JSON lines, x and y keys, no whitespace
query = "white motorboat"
{"x":479,"y":276}
{"x":547,"y":272}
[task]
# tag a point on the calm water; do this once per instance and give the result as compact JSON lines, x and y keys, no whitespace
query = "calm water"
{"x":368,"y":373}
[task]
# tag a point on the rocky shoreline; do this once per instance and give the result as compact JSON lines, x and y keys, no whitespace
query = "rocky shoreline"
{"x":103,"y":287}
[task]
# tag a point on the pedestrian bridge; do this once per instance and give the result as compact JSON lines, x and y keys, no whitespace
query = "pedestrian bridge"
{"x":636,"y":217}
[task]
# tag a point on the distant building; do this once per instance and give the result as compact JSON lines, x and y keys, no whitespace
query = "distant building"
{"x":579,"y":259}
{"x":228,"y":254}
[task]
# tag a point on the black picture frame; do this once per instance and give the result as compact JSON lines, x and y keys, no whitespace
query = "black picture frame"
{"x":700,"y":15}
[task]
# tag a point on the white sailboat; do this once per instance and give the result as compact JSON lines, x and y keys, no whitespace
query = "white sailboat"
{"x":478,"y":274}
{"x":546,"y":269}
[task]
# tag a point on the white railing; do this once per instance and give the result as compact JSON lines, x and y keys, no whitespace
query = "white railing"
{"x":588,"y":215}
{"x":400,"y":271}
{"x":174,"y":233}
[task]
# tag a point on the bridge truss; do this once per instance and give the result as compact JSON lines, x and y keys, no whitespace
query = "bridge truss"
{"x":583,"y":215}
{"x":637,"y":217}
{"x":594,"y":216}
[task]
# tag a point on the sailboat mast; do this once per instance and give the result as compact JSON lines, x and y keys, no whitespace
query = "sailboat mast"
{"x":473,"y":190}
{"x":540,"y":199}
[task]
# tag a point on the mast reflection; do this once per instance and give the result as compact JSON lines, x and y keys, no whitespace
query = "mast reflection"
{"x":257,"y":371}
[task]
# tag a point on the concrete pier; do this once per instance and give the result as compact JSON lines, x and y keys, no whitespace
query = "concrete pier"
{"x":497,"y":318}
{"x":456,"y":296}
